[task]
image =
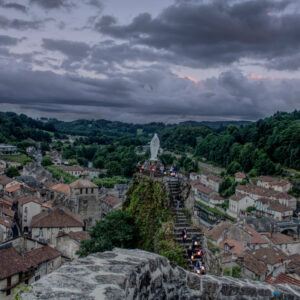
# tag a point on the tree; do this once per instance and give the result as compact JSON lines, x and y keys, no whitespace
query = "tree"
{"x":46,"y":161}
{"x":99,"y":163}
{"x":116,"y":230}
{"x":113,"y":168}
{"x":12,"y":172}
{"x":233,"y":168}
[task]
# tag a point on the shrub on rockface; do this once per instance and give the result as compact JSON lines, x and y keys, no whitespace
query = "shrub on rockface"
{"x":164,"y":245}
{"x":148,"y":202}
{"x":116,"y":230}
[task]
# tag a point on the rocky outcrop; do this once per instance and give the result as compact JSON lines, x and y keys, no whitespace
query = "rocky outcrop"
{"x":135,"y":274}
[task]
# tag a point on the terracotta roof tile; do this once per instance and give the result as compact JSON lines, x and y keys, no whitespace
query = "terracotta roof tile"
{"x":252,"y":264}
{"x":279,"y":239}
{"x":240,"y":175}
{"x":261,"y":191}
{"x":216,"y":232}
{"x":203,"y":189}
{"x":61,"y":188}
{"x":4,"y":180}
{"x":41,"y":255}
{"x":111,"y":200}
{"x":283,"y":278}
{"x":235,"y":246}
{"x":28,"y":198}
{"x":268,"y":255}
{"x":59,"y":217}
{"x":11,"y":262}
{"x":5,"y":221}
{"x":256,"y":238}
{"x":82,"y":183}
{"x":79,"y":235}
{"x":8,"y":212}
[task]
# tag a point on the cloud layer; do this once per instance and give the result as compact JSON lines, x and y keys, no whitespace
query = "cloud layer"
{"x":65,"y":57}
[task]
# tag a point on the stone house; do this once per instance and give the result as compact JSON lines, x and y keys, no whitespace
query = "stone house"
{"x":273,"y":209}
{"x":238,"y":204}
{"x":8,"y":149}
{"x":69,"y":243}
{"x":84,"y":200}
{"x":6,"y":225}
{"x":275,"y":184}
{"x":194,"y":176}
{"x":215,"y":199}
{"x":211,"y":181}
{"x":44,"y":260}
{"x":109,"y":203}
{"x":14,"y":269}
{"x":4,"y":181}
{"x":19,"y":189}
{"x":6,"y":202}
{"x":232,"y":247}
{"x":239,"y":177}
{"x":28,"y":207}
{"x":59,"y":191}
{"x":216,"y":234}
{"x":273,"y":258}
{"x":94,"y":173}
{"x":251,"y":267}
{"x":202,"y":193}
{"x":256,"y":192}
{"x":285,"y":243}
{"x":46,"y":226}
{"x":74,"y":170}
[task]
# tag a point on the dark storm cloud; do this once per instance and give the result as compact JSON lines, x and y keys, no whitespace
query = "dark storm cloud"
{"x":216,"y":33}
{"x":57,"y":4}
{"x":73,"y":50}
{"x":19,"y":24}
{"x":15,"y":6}
{"x":6,"y":40}
{"x":152,"y":94}
{"x":51,"y":4}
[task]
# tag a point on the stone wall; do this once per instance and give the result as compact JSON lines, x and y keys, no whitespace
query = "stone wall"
{"x":136,"y":274}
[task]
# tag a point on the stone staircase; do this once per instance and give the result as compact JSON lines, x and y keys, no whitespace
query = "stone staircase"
{"x":181,"y":220}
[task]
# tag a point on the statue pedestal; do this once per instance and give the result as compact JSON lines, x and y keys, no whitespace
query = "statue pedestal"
{"x":153,"y":168}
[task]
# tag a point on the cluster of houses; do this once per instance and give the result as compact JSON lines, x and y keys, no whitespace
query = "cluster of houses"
{"x":267,"y":198}
{"x":205,"y":188}
{"x":43,"y":221}
{"x":259,"y":250}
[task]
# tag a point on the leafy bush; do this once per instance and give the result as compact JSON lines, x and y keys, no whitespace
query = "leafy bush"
{"x":46,"y":161}
{"x":236,"y":272}
{"x":12,"y":172}
{"x":118,"y":229}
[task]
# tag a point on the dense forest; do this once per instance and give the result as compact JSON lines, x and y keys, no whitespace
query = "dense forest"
{"x":263,"y":147}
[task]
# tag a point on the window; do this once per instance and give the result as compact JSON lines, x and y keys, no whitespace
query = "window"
{"x":80,"y":191}
{"x":92,"y":190}
{"x":36,"y":278}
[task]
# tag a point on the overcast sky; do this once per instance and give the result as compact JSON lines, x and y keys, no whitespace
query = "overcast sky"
{"x":143,"y":61}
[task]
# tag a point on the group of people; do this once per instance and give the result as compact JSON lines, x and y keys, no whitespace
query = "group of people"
{"x":194,"y":253}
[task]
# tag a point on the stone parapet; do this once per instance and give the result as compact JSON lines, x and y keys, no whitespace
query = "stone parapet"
{"x":136,"y":274}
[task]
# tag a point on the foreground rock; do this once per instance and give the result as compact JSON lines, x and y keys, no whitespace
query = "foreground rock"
{"x":135,"y":274}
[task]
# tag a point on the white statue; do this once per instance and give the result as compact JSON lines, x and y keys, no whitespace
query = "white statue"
{"x":154,"y":147}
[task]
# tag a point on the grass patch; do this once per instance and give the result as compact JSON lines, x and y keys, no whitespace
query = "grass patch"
{"x":215,"y":211}
{"x":19,"y":158}
{"x":211,"y":247}
{"x":58,"y":173}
